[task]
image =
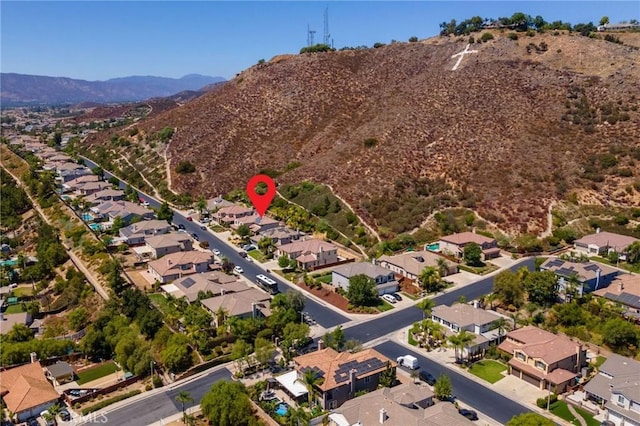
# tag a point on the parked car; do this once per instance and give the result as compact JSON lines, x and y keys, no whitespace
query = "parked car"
{"x":396,"y":296}
{"x":181,"y":227}
{"x":427,"y":377}
{"x":243,"y":254}
{"x":389,"y":298}
{"x":64,"y":414}
{"x":216,"y":251}
{"x":249,"y":247}
{"x":189,"y":218}
{"x":195,"y":236}
{"x":238,"y":270}
{"x":204,"y":228}
{"x":469,"y":414}
{"x":408,"y":361}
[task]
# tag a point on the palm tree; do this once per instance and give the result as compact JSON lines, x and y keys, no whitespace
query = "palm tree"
{"x":427,"y":306}
{"x":430,"y":279}
{"x":443,"y":268}
{"x":501,"y":324}
{"x":310,"y":380}
{"x":298,"y":417}
{"x":633,"y":252}
{"x":571,"y":287}
{"x":183,"y":398}
{"x":460,"y":341}
{"x":515,"y":317}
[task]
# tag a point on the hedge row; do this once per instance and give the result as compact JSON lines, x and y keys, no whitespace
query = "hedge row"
{"x":109,"y":401}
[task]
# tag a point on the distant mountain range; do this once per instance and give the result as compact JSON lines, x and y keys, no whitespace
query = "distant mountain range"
{"x":23,"y":89}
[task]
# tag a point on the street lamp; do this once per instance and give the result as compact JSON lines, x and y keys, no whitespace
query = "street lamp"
{"x":302,"y":317}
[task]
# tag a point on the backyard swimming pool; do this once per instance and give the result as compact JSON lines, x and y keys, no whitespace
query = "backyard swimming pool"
{"x":95,"y":226}
{"x":433,"y":247}
{"x":282,"y":409}
{"x":87,"y":217}
{"x":10,"y":262}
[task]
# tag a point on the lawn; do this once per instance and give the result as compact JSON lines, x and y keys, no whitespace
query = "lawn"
{"x":257,"y":255}
{"x":163,"y":304}
{"x":600,"y":360}
{"x":384,"y":306}
{"x":14,"y":309}
{"x":410,"y":296}
{"x":324,"y":278}
{"x":489,"y":370}
{"x":484,"y":269}
{"x":560,"y":409}
{"x":23,"y":292}
{"x":96,"y":373}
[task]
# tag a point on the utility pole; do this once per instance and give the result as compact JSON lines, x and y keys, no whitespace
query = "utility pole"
{"x":151,"y":365}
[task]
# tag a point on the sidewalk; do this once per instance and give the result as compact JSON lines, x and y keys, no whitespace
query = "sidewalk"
{"x":510,"y":387}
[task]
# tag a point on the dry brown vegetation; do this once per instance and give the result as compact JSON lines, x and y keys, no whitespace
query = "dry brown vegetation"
{"x":397,"y":134}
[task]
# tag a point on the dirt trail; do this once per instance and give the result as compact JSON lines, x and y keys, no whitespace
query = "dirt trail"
{"x":373,"y":231}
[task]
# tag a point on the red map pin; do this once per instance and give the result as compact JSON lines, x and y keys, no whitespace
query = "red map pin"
{"x":261,"y":202}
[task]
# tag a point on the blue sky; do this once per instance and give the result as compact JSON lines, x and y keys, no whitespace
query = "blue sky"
{"x":97,"y":40}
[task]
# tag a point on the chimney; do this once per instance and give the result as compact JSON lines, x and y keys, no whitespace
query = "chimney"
{"x":383,"y":415}
{"x":222,"y":292}
{"x":475,"y":304}
{"x":352,"y":380}
{"x":34,"y":357}
{"x":597,"y":230}
{"x":168,"y":261}
{"x":320,"y":344}
{"x":620,"y":286}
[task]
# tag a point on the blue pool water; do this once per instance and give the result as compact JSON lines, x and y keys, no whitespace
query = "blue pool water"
{"x":433,"y":247}
{"x":282,"y":409}
{"x":95,"y":226}
{"x":87,"y":217}
{"x":10,"y":262}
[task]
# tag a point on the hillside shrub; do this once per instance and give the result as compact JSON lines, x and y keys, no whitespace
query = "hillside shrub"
{"x":370,"y":142}
{"x":512,"y":36}
{"x":486,"y":37}
{"x":185,"y":167}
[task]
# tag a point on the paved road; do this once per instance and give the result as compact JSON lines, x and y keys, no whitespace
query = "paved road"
{"x":386,"y":324}
{"x":472,"y":393}
{"x":149,"y":410}
{"x":324,"y":316}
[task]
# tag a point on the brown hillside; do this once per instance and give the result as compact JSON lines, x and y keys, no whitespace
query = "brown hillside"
{"x":515,"y":127}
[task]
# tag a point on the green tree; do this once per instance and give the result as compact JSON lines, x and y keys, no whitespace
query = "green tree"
{"x":311,"y":380}
{"x":604,"y":20}
{"x":240,"y":352}
{"x":201,"y":205}
{"x":472,"y":254}
{"x":362,"y":291}
{"x":430,"y":279}
{"x":98,"y":171}
{"x":413,"y":39}
{"x":176,"y":356}
{"x":19,"y":333}
{"x":501,"y":324}
{"x":118,"y":223}
{"x":185,"y":167}
{"x":633,"y":252}
{"x":165,"y":212}
{"x":427,"y":306}
{"x":530,"y":419}
{"x":297,"y":417}
{"x":508,"y":289}
{"x":621,"y":336}
{"x":388,"y":376}
{"x":227,"y":404}
{"x":283,"y":261}
{"x":460,"y":341}
{"x":243,"y":231}
{"x":442,"y":389}
{"x":264,"y":350}
{"x":184,"y":397}
{"x":542,"y":287}
{"x":78,"y":318}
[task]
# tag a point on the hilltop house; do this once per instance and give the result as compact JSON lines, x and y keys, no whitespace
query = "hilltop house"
{"x":310,"y":254}
{"x":407,"y":404}
{"x":590,"y":276}
{"x":157,"y":246}
{"x":462,"y":316}
{"x":74,"y":184}
{"x":90,"y":187}
{"x":544,"y":359}
{"x":244,"y":304}
{"x":26,"y":391}
{"x":136,"y":233}
{"x":105,"y":194}
{"x":256,"y":223}
{"x":625,"y":290}
{"x":228,"y":215}
{"x":344,"y":373}
{"x":411,"y":264}
{"x":109,"y":210}
{"x":385,"y":279}
{"x":280,"y":235}
{"x":454,"y":244}
{"x":616,"y":388}
{"x":214,"y":282}
{"x":603,"y":243}
{"x":176,"y":265}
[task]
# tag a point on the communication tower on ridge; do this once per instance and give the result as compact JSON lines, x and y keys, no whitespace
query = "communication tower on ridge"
{"x":310,"y":36}
{"x":326,"y":35}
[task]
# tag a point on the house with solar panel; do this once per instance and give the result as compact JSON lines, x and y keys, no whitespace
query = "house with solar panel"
{"x":343,"y":374}
{"x":589,"y":276}
{"x":625,"y":290}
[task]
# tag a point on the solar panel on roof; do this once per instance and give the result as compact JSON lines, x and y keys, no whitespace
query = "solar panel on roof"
{"x":188,"y":283}
{"x":565,"y":271}
{"x":591,"y":267}
{"x":555,"y":262}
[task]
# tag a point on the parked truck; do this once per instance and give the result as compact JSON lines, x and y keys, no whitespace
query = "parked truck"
{"x":408,"y":361}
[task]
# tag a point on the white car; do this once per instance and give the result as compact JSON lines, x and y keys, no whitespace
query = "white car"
{"x":216,"y":252}
{"x":388,"y":298}
{"x":238,"y":270}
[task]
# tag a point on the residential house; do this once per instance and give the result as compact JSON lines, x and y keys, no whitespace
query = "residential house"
{"x":136,"y":233}
{"x":215,"y":204}
{"x":454,"y":244}
{"x":603,"y":243}
{"x":176,"y":265}
{"x":105,"y":194}
{"x":280,"y":235}
{"x":214,"y":283}
{"x":407,"y":404}
{"x":310,"y":254}
{"x":26,"y":391}
{"x":60,"y":373}
{"x":616,"y":388}
{"x":87,"y":188}
{"x":625,"y":290}
{"x":157,"y":246}
{"x":480,"y":322}
{"x":73,"y":184}
{"x":544,"y":359}
{"x":7,"y":321}
{"x":411,"y":264}
{"x":345,"y":373}
{"x":244,"y":304}
{"x":109,"y":210}
{"x":256,"y":223}
{"x":589,"y":276}
{"x":228,"y":215}
{"x":69,"y":171}
{"x":385,"y":279}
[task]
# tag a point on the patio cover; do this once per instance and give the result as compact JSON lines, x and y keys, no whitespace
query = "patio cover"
{"x":291,"y":383}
